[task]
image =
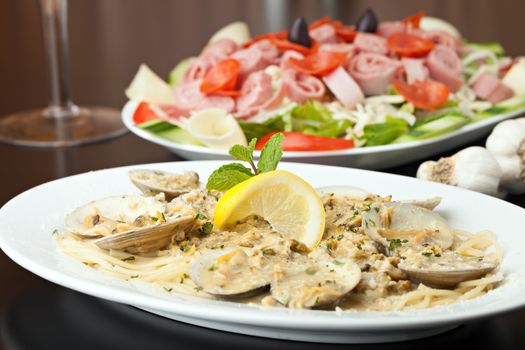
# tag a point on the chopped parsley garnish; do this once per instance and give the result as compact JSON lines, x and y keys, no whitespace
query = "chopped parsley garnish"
{"x":268,"y":251}
{"x":212,"y":268}
{"x":330,"y":245}
{"x":338,"y":263}
{"x":311,"y":271}
{"x":197,"y":289}
{"x":340,"y":237}
{"x":376,"y":209}
{"x":402,"y":257}
{"x":395,"y":243}
{"x":154,"y":218}
{"x":134,"y":276}
{"x":206,"y":228}
{"x":184,"y":247}
{"x":358,"y":245}
{"x":437,"y":255}
{"x":427,"y":254}
{"x":55,"y":232}
{"x":168,"y":289}
{"x":129,"y":258}
{"x":200,"y":216}
{"x":372,"y":222}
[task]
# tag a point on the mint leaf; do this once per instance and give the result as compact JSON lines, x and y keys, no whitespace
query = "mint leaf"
{"x":252,"y":144}
{"x":271,"y":154}
{"x":244,"y":153}
{"x":228,"y":176}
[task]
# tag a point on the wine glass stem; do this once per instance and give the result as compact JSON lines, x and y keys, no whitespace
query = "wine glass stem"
{"x":54,"y":21}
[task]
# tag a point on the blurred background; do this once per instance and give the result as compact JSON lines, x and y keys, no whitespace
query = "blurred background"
{"x":108,"y":41}
{"x":110,"y":38}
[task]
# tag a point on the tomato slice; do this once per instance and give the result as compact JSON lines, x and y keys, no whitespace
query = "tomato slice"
{"x":279,"y":35}
{"x":222,"y":77}
{"x":144,"y":113}
{"x":346,"y":33}
{"x":297,"y":141}
{"x":414,"y":20}
{"x":285,"y":44}
{"x":319,"y":63}
{"x":231,"y":93}
{"x":409,"y":45}
{"x":425,"y":94}
{"x":321,"y":21}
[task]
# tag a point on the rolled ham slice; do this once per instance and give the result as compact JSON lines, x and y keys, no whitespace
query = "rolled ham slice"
{"x":209,"y":56}
{"x":188,"y":97}
{"x":348,"y":49}
{"x":441,"y":38}
{"x":285,"y":59}
{"x":490,"y":88}
{"x":385,"y":29}
{"x":198,"y":68}
{"x":251,"y":60}
{"x":269,"y":51}
{"x":373,"y":72}
{"x":365,"y":42}
{"x":445,"y":66}
{"x":219,"y":49}
{"x":324,"y":34}
{"x":256,"y":91}
{"x":415,"y":69}
{"x":345,"y":89}
{"x":301,"y":87}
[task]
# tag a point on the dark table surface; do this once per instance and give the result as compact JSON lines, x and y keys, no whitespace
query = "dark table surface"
{"x":109,"y":39}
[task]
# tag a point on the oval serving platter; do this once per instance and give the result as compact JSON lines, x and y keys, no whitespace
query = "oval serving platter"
{"x":373,"y":158}
{"x":30,"y":243}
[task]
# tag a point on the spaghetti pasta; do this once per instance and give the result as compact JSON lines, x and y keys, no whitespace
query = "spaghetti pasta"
{"x":383,"y":286}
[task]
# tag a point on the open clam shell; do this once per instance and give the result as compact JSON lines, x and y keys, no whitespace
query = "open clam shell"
{"x":387,"y":221}
{"x":98,"y":218}
{"x":229,"y":273}
{"x":316,"y":285}
{"x":146,"y":239}
{"x":447,"y":270}
{"x":429,"y":203}
{"x":355,"y":193}
{"x":152,"y":182}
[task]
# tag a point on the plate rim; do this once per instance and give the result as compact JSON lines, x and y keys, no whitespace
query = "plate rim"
{"x":130,"y":106}
{"x":253,"y":315}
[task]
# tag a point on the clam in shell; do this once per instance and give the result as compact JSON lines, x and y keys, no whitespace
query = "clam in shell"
{"x":447,"y":270}
{"x":387,"y":221}
{"x":132,"y":223}
{"x":152,"y":182}
{"x":316,"y":284}
{"x":229,"y":273}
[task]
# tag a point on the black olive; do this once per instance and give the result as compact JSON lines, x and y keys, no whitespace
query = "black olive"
{"x":367,"y":22}
{"x":298,"y":32}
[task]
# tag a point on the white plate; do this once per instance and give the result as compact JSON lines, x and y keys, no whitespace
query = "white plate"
{"x":377,"y":157}
{"x":27,"y":221}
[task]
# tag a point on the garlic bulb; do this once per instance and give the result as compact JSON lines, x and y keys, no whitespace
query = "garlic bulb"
{"x":473,"y":168}
{"x":507,"y":144}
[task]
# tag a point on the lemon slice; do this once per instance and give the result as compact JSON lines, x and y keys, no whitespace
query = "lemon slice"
{"x":287,"y":202}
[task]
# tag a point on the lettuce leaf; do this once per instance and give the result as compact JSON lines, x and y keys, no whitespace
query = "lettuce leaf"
{"x":383,"y":133}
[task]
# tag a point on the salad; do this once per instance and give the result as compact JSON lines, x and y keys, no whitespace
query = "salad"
{"x":329,"y":86}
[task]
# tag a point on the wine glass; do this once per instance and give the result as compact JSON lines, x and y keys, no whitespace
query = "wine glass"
{"x":62,"y":123}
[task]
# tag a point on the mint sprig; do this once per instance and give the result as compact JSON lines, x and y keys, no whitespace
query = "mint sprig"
{"x":231,"y":174}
